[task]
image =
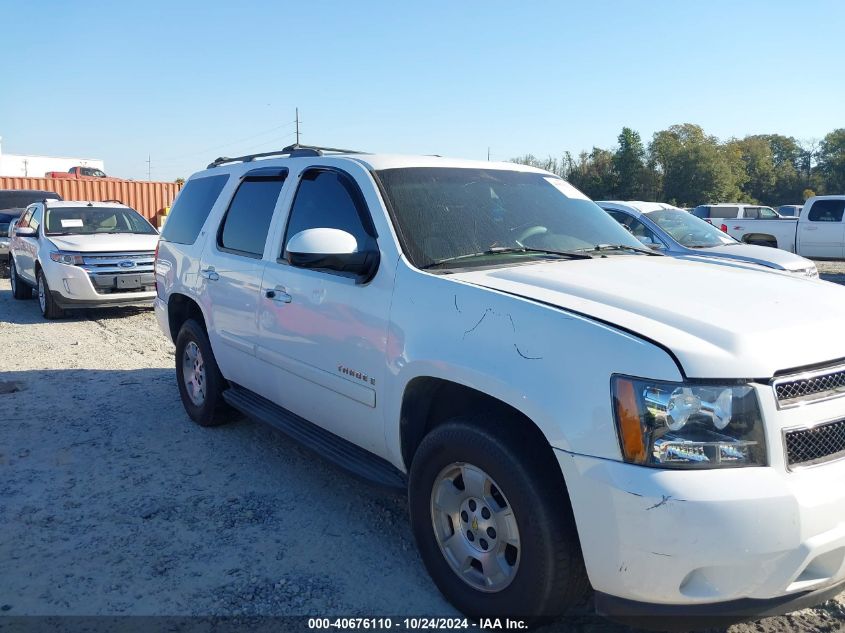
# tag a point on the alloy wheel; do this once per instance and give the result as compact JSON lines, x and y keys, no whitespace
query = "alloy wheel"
{"x":193,"y":373}
{"x":475,"y":527}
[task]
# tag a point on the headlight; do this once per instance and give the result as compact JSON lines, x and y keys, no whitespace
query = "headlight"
{"x":71,"y":259}
{"x":688,"y":425}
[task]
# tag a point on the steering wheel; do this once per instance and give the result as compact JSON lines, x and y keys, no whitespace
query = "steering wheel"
{"x":531,"y":231}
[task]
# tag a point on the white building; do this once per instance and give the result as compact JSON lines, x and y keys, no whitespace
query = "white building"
{"x":25,"y":165}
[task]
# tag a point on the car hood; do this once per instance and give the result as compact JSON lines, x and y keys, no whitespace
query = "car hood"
{"x":718,"y":320}
{"x":104,"y":242}
{"x":763,"y":255}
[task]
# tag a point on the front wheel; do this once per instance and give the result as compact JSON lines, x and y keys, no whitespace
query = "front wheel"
{"x":49,"y":308}
{"x":492,"y":521}
{"x":20,"y":289}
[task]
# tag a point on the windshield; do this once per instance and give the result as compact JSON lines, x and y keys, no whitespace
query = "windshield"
{"x":22,"y":199}
{"x":468,"y":215}
{"x":689,"y":230}
{"x":90,"y":220}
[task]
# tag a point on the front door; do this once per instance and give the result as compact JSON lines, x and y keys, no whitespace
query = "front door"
{"x":231,"y":270}
{"x":323,"y":334}
{"x":822,"y":234}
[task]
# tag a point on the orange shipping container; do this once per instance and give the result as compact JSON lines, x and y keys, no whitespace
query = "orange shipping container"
{"x":148,"y":198}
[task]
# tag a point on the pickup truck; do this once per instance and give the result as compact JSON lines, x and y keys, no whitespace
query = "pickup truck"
{"x":572,"y":415}
{"x":79,"y":173}
{"x":818,"y":232}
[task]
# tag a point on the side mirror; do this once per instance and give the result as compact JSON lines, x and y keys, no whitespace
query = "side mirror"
{"x":331,"y":249}
{"x":25,"y":231}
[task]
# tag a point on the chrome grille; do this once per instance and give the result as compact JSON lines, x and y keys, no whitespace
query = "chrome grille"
{"x":810,"y":386}
{"x":821,"y":443}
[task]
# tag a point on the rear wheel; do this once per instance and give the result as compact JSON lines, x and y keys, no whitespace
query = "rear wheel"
{"x":492,"y":521}
{"x":49,"y":308}
{"x":200,"y":382}
{"x":20,"y":289}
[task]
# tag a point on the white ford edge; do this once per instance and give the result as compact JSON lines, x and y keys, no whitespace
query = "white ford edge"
{"x":82,"y":255}
{"x":572,"y":414}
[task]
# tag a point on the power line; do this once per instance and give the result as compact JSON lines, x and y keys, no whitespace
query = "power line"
{"x":230,"y":143}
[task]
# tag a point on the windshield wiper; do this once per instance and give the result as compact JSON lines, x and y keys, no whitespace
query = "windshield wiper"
{"x":620,"y":247}
{"x":504,"y":250}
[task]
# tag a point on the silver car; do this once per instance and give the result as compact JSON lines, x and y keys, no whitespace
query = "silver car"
{"x":680,"y":234}
{"x":8,"y":217}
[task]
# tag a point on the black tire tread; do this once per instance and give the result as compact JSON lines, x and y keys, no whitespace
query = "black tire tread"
{"x":214,"y":411}
{"x":569,"y":588}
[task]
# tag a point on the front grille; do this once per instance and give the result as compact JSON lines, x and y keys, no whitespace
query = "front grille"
{"x":819,"y":385}
{"x":822,"y":443}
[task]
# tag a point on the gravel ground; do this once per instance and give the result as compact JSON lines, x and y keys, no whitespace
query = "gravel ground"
{"x":112,"y":502}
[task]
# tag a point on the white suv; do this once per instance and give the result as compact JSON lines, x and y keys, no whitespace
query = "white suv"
{"x":567,"y":409}
{"x":82,"y":255}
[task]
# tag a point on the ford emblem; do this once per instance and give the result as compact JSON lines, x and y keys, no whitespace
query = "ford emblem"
{"x":127,"y":264}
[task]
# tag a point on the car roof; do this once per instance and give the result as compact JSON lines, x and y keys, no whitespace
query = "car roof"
{"x":373,"y":162}
{"x":34,"y":192}
{"x":637,"y":207}
{"x":56,"y":204}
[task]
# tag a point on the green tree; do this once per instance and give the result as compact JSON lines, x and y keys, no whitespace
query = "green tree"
{"x":831,"y":162}
{"x":593,"y":173}
{"x":695,"y":168}
{"x":630,"y":167}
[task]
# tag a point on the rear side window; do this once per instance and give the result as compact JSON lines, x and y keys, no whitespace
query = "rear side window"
{"x":752,"y":213}
{"x":827,"y":211}
{"x":191,"y":209}
{"x":247,"y":222}
{"x":724,"y":212}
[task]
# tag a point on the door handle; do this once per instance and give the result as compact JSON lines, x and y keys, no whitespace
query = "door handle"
{"x":811,"y":228}
{"x":278,"y":295}
{"x":209,"y":273}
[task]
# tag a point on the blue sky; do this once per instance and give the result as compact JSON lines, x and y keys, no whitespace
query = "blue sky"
{"x":185,"y":82}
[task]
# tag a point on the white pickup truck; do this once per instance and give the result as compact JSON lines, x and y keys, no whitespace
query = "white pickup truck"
{"x":571,"y":414}
{"x":818,"y":232}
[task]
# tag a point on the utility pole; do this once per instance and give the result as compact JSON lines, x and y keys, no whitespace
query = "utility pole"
{"x":25,"y":168}
{"x":297,"y":126}
{"x":149,"y":162}
{"x":488,"y":153}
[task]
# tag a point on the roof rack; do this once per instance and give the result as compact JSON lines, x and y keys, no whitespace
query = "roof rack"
{"x":292,"y":151}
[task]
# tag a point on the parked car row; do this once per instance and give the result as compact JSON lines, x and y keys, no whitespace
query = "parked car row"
{"x":569,"y":409}
{"x":678,"y":233}
{"x":817,"y":231}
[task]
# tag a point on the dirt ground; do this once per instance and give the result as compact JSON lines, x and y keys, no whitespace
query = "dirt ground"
{"x":112,"y":502}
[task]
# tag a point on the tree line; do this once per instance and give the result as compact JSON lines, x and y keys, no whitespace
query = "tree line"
{"x":684,"y":166}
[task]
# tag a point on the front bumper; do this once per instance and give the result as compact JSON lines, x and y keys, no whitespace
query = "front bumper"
{"x":73,"y":287}
{"x":711,"y":537}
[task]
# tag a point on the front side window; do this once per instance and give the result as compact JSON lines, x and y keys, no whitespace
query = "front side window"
{"x":826,"y":211}
{"x":24,"y":223}
{"x":767,"y":213}
{"x":477,"y":217}
{"x":331,"y":200}
{"x":90,"y":220}
{"x":191,"y":208}
{"x":688,"y":230}
{"x":35,"y":219}
{"x":247,"y":222}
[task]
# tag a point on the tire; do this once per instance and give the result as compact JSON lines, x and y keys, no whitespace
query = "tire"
{"x":49,"y":309}
{"x":20,"y":289}
{"x":206,"y":406}
{"x":547,"y":574}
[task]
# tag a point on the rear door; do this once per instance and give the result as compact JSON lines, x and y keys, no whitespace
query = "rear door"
{"x":231,"y":269}
{"x":822,"y":232}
